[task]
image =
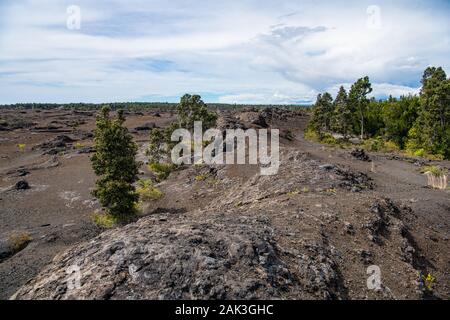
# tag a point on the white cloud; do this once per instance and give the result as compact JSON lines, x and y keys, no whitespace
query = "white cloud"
{"x":239,"y":51}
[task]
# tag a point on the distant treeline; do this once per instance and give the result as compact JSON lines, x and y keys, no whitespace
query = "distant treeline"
{"x":418,"y":124}
{"x":139,"y":106}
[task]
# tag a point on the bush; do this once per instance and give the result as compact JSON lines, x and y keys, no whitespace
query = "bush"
{"x":19,"y":241}
{"x":422,"y":153}
{"x":374,"y":145}
{"x":147,"y":191}
{"x":329,"y":139}
{"x":201,"y":177}
{"x":435,"y":170}
{"x":380,"y":145}
{"x":162,"y":170}
{"x":104,"y":220}
{"x":311,"y":134}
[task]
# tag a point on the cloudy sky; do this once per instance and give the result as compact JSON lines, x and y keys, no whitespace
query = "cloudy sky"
{"x":243,"y":51}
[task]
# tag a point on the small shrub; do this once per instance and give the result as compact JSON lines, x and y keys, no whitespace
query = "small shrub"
{"x":380,"y":145}
{"x":422,"y":153}
{"x":325,"y":138}
{"x":374,"y":145}
{"x":201,"y":177}
{"x":329,"y":139}
{"x":311,"y":134}
{"x":435,"y":170}
{"x":147,"y":191}
{"x":435,"y":157}
{"x":78,"y":145}
{"x":19,"y":241}
{"x":437,"y":176}
{"x":104,"y":220}
{"x":428,"y":281}
{"x":419,"y":153}
{"x":21,"y":146}
{"x":162,"y":170}
{"x":391,"y":146}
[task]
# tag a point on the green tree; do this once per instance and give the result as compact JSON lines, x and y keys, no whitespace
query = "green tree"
{"x":374,"y":124}
{"x":342,"y":115}
{"x":114,"y":162}
{"x":433,"y":123}
{"x":359,"y":102}
{"x":191,"y":109}
{"x":399,"y":116}
{"x":156,"y":147}
{"x":322,"y":113}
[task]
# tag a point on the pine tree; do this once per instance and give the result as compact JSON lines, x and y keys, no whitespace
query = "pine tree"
{"x":114,"y":162}
{"x":433,"y":124}
{"x":322,"y":113}
{"x":342,"y":115}
{"x":156,"y":147}
{"x":358,"y":100}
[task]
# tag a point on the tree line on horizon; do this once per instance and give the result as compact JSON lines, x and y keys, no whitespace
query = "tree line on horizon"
{"x":416,"y":124}
{"x":139,"y":106}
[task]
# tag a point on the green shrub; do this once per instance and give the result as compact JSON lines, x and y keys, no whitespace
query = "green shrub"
{"x":147,"y":191}
{"x":162,"y":170}
{"x":329,"y":139}
{"x":201,"y":177}
{"x":380,"y":145}
{"x":374,"y":145}
{"x":435,"y":170}
{"x":311,"y":134}
{"x":19,"y":241}
{"x":422,"y":153}
{"x":104,"y":220}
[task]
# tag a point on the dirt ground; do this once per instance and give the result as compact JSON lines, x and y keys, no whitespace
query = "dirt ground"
{"x":50,"y":150}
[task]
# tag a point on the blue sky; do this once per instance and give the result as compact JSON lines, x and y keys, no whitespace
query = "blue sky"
{"x":242,"y":51}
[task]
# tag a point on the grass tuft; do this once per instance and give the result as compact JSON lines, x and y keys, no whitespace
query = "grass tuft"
{"x":104,"y":220}
{"x":435,"y":170}
{"x":162,"y":170}
{"x":147,"y":191}
{"x":19,"y":241}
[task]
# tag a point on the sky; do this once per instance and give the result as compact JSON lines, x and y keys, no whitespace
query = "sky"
{"x":233,"y":51}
